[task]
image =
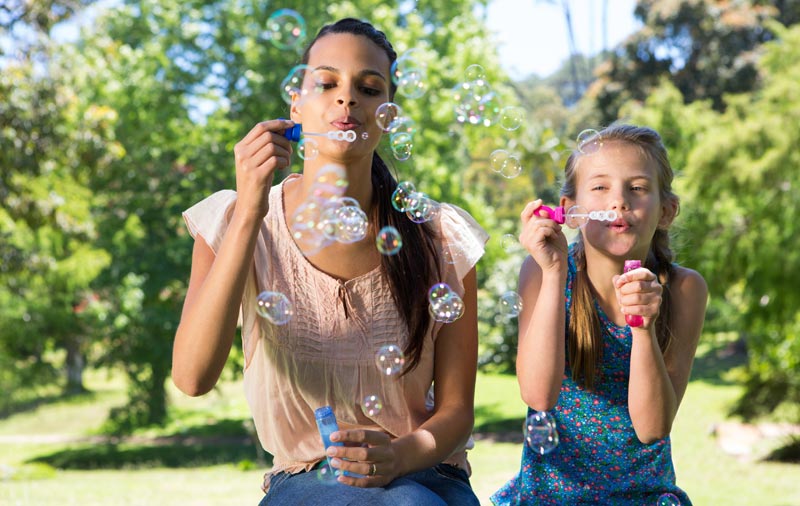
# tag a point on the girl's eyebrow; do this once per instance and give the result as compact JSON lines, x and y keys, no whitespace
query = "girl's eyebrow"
{"x":365,"y":72}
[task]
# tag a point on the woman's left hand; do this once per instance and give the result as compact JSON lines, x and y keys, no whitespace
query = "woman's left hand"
{"x":366,"y":452}
{"x":639,"y":293}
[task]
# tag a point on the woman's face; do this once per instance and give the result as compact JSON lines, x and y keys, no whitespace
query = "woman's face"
{"x":347,"y":79}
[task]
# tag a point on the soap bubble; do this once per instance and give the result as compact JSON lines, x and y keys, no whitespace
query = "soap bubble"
{"x":286,"y":29}
{"x":540,"y":432}
{"x":372,"y":405}
{"x":390,"y":359}
{"x":511,"y":117}
{"x":307,"y":149}
{"x":427,"y":209}
{"x":447,"y":309}
{"x":401,"y":144}
{"x":589,"y":141}
{"x":292,"y":84}
{"x":668,"y":500}
{"x":498,"y":159}
{"x":388,"y":241}
{"x":275,"y":307}
{"x":386,"y":113}
{"x":326,"y":474}
{"x":510,"y":304}
{"x":475,"y":73}
{"x":403,"y":198}
{"x":438,"y":292}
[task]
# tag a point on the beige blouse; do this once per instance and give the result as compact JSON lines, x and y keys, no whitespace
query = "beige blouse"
{"x":325,"y":355}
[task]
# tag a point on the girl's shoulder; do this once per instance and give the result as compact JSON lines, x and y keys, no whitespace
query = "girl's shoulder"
{"x":688,"y":285}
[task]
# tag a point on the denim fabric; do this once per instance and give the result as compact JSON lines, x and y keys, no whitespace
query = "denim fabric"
{"x":442,"y":485}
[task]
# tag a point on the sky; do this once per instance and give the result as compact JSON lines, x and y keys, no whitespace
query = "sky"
{"x":532,"y":34}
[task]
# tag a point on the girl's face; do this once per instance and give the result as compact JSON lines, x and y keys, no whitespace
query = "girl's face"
{"x":622,"y":178}
{"x":347,"y":79}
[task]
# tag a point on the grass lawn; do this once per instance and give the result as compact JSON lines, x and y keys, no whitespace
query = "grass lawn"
{"x":144,"y":472}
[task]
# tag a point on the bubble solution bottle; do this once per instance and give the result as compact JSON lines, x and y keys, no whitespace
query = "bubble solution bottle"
{"x":326,"y":423}
{"x":633,"y":320}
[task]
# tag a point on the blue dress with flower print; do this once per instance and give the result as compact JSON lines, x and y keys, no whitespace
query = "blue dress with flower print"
{"x":599,"y":460}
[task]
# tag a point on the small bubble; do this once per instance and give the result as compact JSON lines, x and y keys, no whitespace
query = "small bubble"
{"x":668,"y":500}
{"x":511,"y":117}
{"x":286,"y":29}
{"x":372,"y":405}
{"x":589,"y":141}
{"x":541,"y":435}
{"x":386,"y":113}
{"x":307,"y":149}
{"x":510,"y":304}
{"x":510,"y":243}
{"x":402,"y":197}
{"x":401,"y":144}
{"x":438,"y":292}
{"x":475,"y":73}
{"x":390,"y":359}
{"x":292,"y":84}
{"x":275,"y":307}
{"x":389,"y":241}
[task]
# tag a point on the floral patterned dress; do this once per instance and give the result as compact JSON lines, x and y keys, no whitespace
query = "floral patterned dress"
{"x":599,"y":459}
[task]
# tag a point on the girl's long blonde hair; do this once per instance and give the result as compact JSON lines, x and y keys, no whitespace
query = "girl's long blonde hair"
{"x":584,"y":336}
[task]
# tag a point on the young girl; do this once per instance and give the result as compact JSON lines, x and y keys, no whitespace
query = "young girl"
{"x":612,"y":390}
{"x":348,"y":301}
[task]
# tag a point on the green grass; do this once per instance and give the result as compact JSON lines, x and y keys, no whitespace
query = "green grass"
{"x":39,"y":471}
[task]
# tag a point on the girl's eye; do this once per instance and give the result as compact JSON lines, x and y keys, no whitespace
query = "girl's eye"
{"x":598,"y":187}
{"x":325,"y":85}
{"x":638,"y":188}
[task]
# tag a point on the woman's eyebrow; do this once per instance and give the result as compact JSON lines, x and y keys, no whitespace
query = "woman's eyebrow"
{"x":365,"y":72}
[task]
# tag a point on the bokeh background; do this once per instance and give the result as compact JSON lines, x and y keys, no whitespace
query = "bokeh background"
{"x":117,"y":115}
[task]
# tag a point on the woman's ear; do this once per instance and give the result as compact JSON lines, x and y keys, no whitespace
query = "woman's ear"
{"x":669,"y":210}
{"x":294,"y":110}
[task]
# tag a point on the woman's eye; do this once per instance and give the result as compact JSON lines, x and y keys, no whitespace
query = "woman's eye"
{"x":372,"y":92}
{"x":325,"y":85}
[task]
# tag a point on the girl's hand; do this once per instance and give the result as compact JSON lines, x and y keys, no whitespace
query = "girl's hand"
{"x":543,"y":239}
{"x":639,"y":293}
{"x":367,"y":452}
{"x":258,"y":155}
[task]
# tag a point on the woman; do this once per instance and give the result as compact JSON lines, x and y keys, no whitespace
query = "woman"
{"x":348,"y":300}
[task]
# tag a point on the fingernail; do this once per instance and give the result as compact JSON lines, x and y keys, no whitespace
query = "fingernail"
{"x":331,"y":452}
{"x":335,"y":436}
{"x":336,"y":463}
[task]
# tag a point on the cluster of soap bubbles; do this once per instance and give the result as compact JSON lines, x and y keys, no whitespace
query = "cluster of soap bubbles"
{"x":390,"y":360}
{"x":326,"y":216}
{"x":444,"y":304}
{"x":541,"y":434}
{"x":505,"y":163}
{"x":417,"y":205}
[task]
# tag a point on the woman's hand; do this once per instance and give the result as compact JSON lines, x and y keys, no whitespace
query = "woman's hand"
{"x":639,"y":293}
{"x":258,"y":155}
{"x":543,"y":238}
{"x":366,"y":452}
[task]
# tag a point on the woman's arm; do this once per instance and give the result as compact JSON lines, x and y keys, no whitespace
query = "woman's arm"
{"x":216,"y":284}
{"x":658,"y":381}
{"x":455,"y":369}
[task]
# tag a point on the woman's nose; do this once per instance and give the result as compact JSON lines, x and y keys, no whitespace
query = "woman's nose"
{"x":346,"y":98}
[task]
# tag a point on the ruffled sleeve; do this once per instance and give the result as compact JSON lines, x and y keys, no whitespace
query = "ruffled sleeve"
{"x":463,"y":241}
{"x":209,"y":218}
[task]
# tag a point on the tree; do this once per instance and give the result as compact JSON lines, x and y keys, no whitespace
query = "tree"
{"x":707,"y":48}
{"x":739,"y":214}
{"x":186,"y":82}
{"x":51,"y":145}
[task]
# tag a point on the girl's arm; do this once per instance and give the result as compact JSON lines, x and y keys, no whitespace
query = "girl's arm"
{"x":542,"y":279}
{"x":658,"y":381}
{"x":541,"y":348}
{"x":216,"y":284}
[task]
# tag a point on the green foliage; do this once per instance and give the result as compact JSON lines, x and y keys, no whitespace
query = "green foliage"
{"x":740,"y":212}
{"x":707,"y":48}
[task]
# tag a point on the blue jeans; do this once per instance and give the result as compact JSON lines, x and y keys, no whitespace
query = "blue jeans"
{"x":442,"y":485}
